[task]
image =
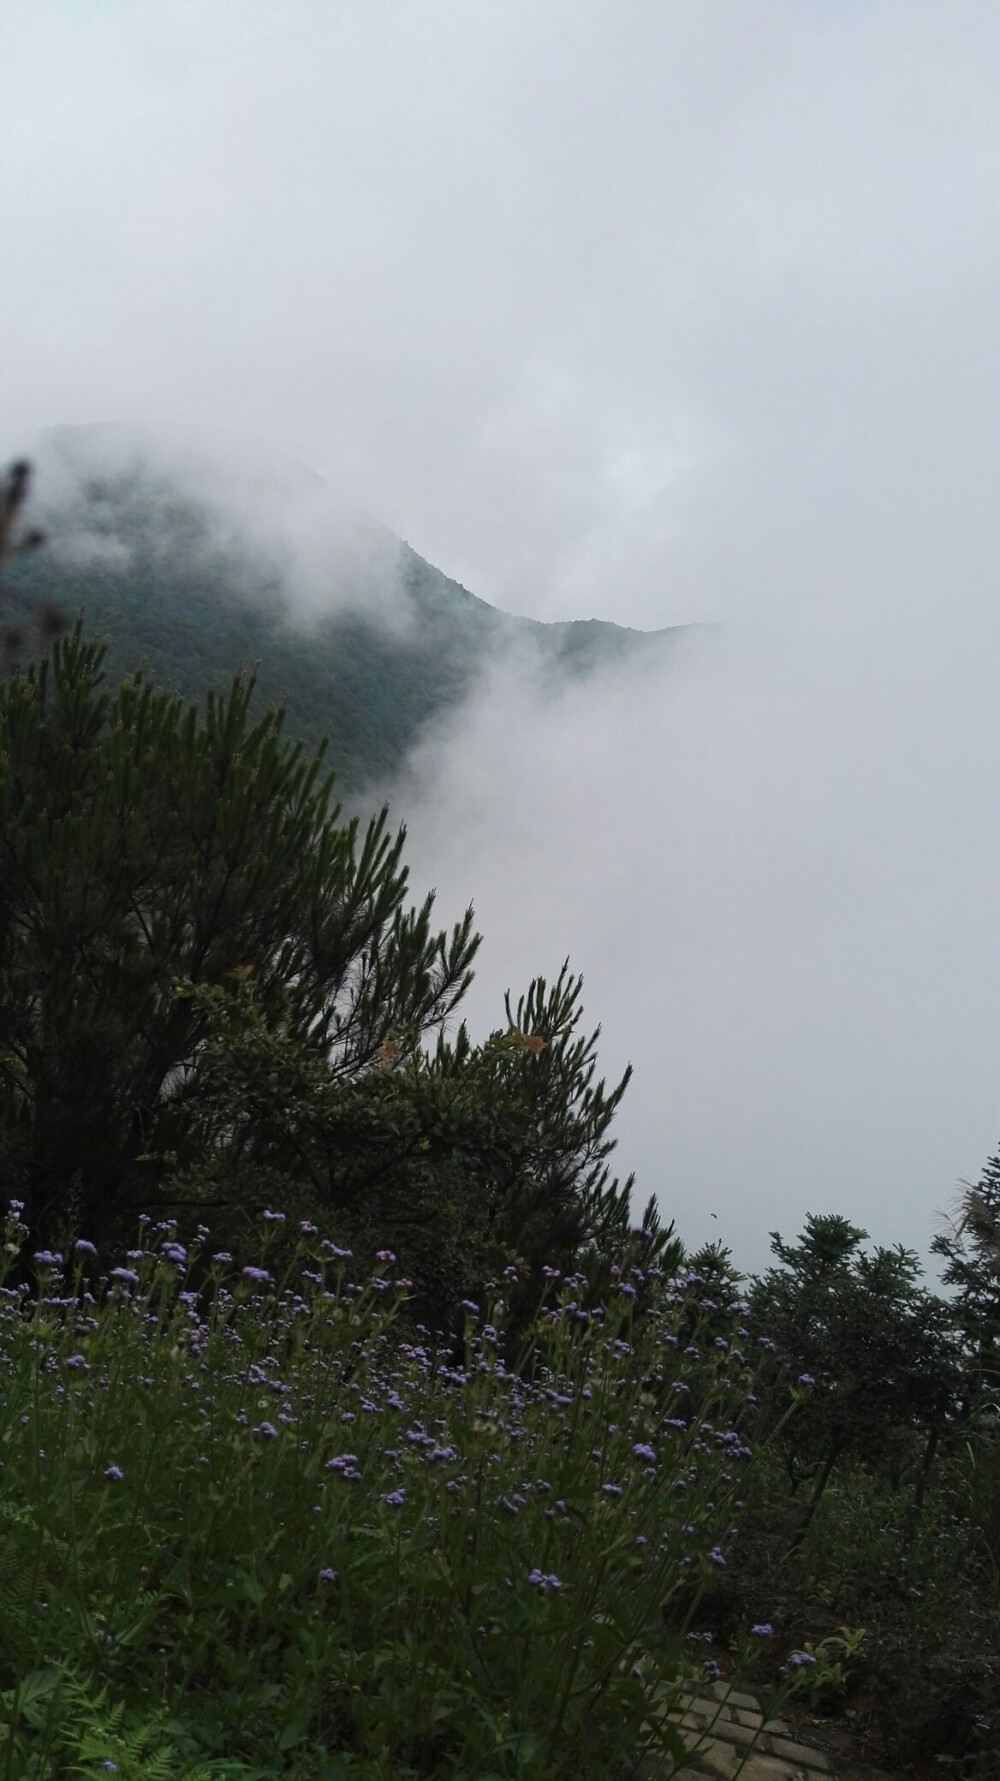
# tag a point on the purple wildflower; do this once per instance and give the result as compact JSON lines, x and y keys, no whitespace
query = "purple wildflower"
{"x":716,"y":1556}
{"x":806,"y":1379}
{"x":256,"y":1274}
{"x":643,"y":1450}
{"x":82,"y":1247}
{"x":798,"y":1658}
{"x":114,"y":1472}
{"x":394,"y":1498}
{"x":763,"y":1631}
{"x":273,"y":1217}
{"x":327,"y":1575}
{"x":47,"y":1258}
{"x":127,"y":1276}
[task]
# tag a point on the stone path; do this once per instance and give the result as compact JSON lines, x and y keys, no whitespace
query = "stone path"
{"x":726,"y":1738}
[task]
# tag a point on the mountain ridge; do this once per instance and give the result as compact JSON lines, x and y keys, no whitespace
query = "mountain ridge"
{"x":190,"y":573}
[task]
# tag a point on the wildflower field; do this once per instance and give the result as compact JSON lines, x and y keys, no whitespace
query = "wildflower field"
{"x":255,"y":1525}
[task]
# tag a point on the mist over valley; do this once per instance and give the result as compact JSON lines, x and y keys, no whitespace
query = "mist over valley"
{"x":730,"y":830}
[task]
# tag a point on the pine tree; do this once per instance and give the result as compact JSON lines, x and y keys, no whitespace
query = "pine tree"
{"x":875,"y":1350}
{"x":462,"y":1159}
{"x":145,"y":846}
{"x":971,"y":1248}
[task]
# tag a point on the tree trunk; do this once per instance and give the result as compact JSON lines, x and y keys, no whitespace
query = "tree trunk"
{"x":814,"y":1501}
{"x":916,"y":1502}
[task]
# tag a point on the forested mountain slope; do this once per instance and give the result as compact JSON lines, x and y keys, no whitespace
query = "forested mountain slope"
{"x":191,"y":574}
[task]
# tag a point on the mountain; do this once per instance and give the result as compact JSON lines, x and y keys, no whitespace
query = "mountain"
{"x":190,"y":563}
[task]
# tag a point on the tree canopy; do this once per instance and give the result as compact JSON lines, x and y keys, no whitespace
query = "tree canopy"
{"x":874,"y":1349}
{"x":971,"y":1250}
{"x":143,"y":848}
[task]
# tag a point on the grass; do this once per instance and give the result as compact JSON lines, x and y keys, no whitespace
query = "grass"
{"x":256,"y":1526}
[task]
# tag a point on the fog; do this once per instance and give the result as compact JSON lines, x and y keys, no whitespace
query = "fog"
{"x":263,"y":518}
{"x":648,"y":312}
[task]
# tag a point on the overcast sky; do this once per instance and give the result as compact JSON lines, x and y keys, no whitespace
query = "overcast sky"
{"x":654,"y":312}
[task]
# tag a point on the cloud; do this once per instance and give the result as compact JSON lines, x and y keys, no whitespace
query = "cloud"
{"x":776,"y":867}
{"x":201,"y":500}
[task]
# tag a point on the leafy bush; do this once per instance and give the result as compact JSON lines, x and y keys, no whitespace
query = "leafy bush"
{"x":925,"y":1680}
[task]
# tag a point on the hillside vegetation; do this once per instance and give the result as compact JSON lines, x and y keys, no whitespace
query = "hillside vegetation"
{"x":364,"y":642}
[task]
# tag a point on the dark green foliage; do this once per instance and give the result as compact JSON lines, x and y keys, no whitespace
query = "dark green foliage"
{"x":142,"y":849}
{"x":875,"y":1349}
{"x":872,"y":1509}
{"x":971,"y":1249}
{"x":923,"y":1682}
{"x":462,"y":1159}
